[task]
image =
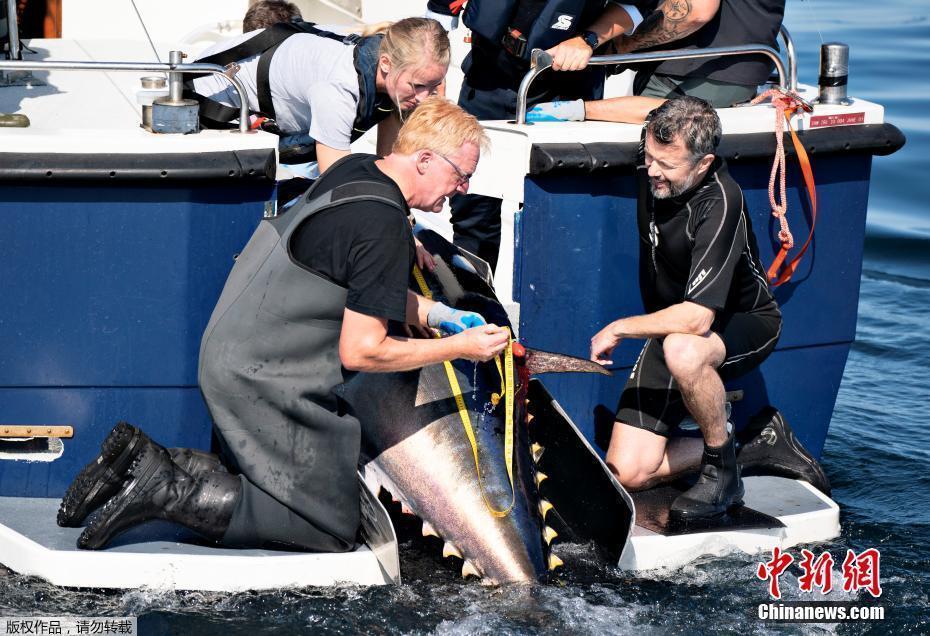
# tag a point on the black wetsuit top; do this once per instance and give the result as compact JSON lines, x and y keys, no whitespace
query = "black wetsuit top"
{"x":699,"y":247}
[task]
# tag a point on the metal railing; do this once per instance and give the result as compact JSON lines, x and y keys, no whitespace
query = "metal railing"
{"x":791,"y":56}
{"x":12,"y":27}
{"x":169,"y":68}
{"x":788,"y":80}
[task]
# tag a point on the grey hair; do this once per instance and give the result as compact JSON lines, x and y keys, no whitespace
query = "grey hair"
{"x":690,"y":119}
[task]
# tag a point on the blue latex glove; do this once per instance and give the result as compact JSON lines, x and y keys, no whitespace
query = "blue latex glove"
{"x":452,"y":321}
{"x":557,"y":111}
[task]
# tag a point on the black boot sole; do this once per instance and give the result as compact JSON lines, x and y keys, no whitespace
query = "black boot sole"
{"x":799,"y":465}
{"x":679,"y":517}
{"x":103,"y":527}
{"x":102,"y":478}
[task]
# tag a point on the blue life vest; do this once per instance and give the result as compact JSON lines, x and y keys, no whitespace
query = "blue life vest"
{"x":558,"y":20}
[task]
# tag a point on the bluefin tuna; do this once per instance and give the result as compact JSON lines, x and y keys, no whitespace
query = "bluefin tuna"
{"x":415,"y":444}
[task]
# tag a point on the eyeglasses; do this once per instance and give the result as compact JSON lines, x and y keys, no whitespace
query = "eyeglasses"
{"x":464,"y":177}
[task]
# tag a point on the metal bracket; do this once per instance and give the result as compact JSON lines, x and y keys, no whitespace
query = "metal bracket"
{"x":231,"y":69}
{"x":35,"y":430}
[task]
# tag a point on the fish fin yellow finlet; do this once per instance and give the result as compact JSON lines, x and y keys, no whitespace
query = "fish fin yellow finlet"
{"x":537,"y":451}
{"x":540,"y":478}
{"x":544,"y":508}
{"x":555,"y":562}
{"x":549,"y":534}
{"x":429,"y":530}
{"x":450,"y":550}
{"x":468,"y":569}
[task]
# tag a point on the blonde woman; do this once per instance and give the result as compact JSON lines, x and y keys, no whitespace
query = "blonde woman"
{"x":319,"y":90}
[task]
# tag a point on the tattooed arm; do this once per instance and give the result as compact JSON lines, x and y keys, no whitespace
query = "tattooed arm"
{"x":672,"y":20}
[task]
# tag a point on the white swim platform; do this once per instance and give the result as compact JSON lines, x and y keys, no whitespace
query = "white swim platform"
{"x":805,"y":515}
{"x":32,"y":543}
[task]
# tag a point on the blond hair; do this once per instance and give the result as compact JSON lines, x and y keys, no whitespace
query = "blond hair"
{"x":438,"y":124}
{"x":415,"y":41}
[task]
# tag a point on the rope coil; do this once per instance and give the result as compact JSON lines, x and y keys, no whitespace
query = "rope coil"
{"x":785,"y":105}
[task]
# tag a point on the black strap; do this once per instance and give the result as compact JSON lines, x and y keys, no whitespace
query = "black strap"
{"x":263,"y":84}
{"x":359,"y":190}
{"x":213,"y":114}
{"x":217,"y":114}
{"x":526,"y":13}
{"x":272,"y":36}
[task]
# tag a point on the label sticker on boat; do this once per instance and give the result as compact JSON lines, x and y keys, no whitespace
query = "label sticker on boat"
{"x":839,"y":119}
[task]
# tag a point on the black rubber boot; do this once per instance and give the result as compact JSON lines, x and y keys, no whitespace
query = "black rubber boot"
{"x":196,"y":462}
{"x":718,"y":488}
{"x":774,"y":450}
{"x":157,"y":488}
{"x":101,"y":478}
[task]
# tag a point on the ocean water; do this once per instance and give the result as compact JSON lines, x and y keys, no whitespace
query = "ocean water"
{"x":876,"y":454}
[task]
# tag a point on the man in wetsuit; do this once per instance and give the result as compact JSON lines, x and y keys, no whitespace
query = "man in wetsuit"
{"x":711,"y":316}
{"x":307,"y":303}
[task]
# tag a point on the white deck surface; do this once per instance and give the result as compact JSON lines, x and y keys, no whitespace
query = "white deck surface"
{"x":31,"y":543}
{"x":82,"y":111}
{"x":808,"y":515}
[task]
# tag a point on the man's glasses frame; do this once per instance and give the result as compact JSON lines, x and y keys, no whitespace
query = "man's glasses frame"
{"x":464,"y":177}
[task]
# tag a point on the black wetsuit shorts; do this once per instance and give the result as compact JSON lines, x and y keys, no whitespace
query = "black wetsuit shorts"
{"x":651,"y":399}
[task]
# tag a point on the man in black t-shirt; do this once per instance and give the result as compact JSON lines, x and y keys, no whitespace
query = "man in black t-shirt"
{"x":701,"y":24}
{"x":677,"y":24}
{"x":308,"y":302}
{"x":711,"y":314}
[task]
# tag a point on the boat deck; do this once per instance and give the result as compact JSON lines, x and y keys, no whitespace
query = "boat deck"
{"x":778,"y":512}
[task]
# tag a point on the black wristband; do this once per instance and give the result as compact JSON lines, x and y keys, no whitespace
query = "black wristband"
{"x":590,"y":38}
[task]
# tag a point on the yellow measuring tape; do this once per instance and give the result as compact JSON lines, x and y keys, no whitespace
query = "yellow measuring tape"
{"x":507,"y":393}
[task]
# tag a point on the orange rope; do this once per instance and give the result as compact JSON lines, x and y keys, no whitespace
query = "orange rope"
{"x":781,"y":103}
{"x":785,"y":105}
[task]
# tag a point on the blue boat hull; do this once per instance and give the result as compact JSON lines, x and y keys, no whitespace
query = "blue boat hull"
{"x":108,"y":283}
{"x":107,"y":288}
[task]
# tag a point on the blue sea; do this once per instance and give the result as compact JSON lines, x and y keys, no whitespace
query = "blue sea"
{"x":877,"y":453}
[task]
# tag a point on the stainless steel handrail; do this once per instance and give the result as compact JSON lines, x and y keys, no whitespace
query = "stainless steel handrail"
{"x":792,"y":58}
{"x":540,"y":61}
{"x":12,"y":25}
{"x":35,"y":65}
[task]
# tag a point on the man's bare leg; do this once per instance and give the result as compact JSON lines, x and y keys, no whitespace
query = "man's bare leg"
{"x":692,"y":361}
{"x":641,"y":459}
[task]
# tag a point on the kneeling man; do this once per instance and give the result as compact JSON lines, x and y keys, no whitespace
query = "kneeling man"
{"x":711,"y":316}
{"x":306,"y":304}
